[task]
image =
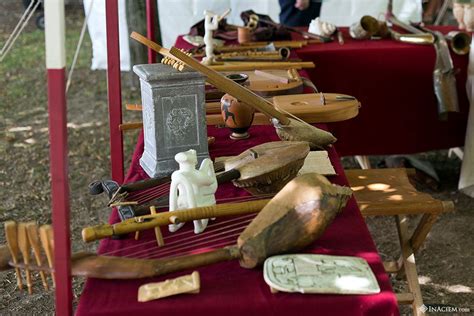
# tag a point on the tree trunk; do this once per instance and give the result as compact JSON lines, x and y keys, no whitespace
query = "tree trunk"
{"x":136,"y":21}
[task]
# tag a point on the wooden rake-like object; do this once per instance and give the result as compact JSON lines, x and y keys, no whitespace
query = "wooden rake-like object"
{"x":287,"y":128}
{"x":24,"y":239}
{"x":292,"y":220}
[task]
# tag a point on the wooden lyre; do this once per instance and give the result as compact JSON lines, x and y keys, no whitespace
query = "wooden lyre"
{"x":292,"y":220}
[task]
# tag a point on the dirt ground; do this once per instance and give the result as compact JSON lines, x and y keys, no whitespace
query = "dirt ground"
{"x":445,"y":262}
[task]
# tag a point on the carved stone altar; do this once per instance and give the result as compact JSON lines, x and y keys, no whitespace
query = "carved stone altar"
{"x":174,"y":117}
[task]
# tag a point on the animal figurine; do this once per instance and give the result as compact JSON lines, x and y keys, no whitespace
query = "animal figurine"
{"x":192,"y":188}
{"x":211,"y":23}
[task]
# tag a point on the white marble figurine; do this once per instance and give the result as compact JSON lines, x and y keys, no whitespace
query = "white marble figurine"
{"x":321,"y":28}
{"x":191,"y":187}
{"x":211,"y":23}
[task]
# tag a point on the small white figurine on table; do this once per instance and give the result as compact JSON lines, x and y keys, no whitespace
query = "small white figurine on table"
{"x":321,"y":28}
{"x":211,"y":23}
{"x":192,"y":188}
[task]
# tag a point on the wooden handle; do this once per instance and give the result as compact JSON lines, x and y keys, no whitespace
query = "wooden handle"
{"x":161,"y":219}
{"x":130,"y":126}
{"x":149,"y":43}
{"x":12,"y":239}
{"x":33,"y":237}
{"x":256,"y":45}
{"x":11,"y":235}
{"x":219,"y":210}
{"x":47,"y":241}
{"x":194,"y":261}
{"x":92,"y":266}
{"x":24,"y":246}
{"x":225,"y":84}
{"x":98,"y":232}
{"x":133,"y":107}
{"x":251,"y":66}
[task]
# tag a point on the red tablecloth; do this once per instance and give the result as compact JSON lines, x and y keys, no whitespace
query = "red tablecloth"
{"x":394,"y":83}
{"x":228,"y":289}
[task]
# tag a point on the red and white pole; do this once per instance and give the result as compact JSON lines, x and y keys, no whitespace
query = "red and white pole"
{"x":55,"y":64}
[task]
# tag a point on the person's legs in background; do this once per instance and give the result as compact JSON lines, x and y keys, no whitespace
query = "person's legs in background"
{"x":299,"y":12}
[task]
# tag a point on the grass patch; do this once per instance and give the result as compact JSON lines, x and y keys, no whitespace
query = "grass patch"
{"x":23,"y":71}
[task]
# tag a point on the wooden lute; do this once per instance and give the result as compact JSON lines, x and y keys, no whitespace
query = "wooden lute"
{"x":261,"y":169}
{"x":292,"y":220}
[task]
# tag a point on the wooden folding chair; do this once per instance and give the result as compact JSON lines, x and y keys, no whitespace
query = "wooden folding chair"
{"x":388,"y":192}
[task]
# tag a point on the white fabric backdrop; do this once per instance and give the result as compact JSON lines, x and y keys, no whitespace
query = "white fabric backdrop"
{"x":346,"y":12}
{"x":466,"y":180}
{"x":177,"y":16}
{"x":96,"y":28}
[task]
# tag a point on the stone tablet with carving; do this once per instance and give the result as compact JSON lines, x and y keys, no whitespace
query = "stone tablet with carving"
{"x":309,"y":273}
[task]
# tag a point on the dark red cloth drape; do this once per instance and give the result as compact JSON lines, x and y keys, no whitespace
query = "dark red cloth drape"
{"x":394,"y":83}
{"x":228,"y":289}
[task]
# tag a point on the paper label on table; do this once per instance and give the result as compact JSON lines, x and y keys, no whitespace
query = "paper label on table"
{"x":319,"y":162}
{"x":315,"y":162}
{"x":309,"y":273}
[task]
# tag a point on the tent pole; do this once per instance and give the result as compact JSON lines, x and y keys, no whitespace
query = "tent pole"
{"x":114,"y":89}
{"x":55,"y":64}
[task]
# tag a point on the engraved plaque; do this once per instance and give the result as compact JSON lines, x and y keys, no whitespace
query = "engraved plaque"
{"x":310,"y":273}
{"x":180,"y":119}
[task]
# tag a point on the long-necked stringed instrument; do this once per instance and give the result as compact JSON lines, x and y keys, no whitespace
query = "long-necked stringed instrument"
{"x":292,"y":220}
{"x":310,"y":107}
{"x":286,"y":128}
{"x":262,"y":169}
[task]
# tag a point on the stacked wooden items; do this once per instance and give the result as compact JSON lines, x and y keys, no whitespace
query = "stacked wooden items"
{"x":288,"y":209}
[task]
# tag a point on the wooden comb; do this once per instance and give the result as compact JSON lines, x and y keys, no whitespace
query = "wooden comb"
{"x":26,"y":238}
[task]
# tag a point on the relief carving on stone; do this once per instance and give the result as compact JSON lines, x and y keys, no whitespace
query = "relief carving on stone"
{"x":179,"y":121}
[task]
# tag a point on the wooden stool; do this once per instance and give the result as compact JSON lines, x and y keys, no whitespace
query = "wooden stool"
{"x":382,"y":192}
